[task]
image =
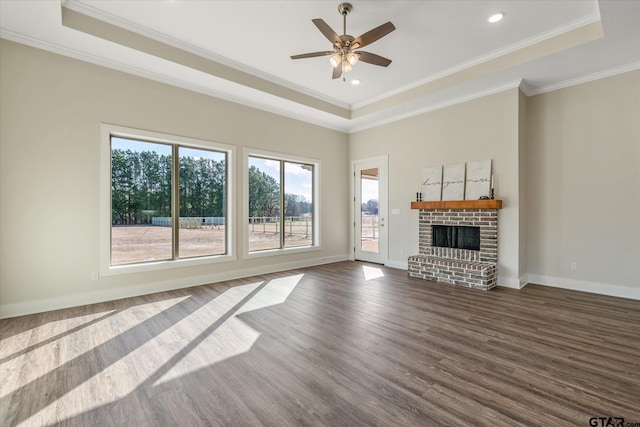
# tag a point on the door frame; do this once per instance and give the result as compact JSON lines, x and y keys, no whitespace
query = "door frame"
{"x":382,"y":162}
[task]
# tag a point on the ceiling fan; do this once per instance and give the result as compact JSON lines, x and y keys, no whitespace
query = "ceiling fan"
{"x":345,"y":54}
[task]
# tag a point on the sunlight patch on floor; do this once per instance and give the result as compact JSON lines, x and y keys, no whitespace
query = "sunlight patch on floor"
{"x":78,"y":344}
{"x":34,"y":336}
{"x":77,"y":350}
{"x":208,"y":335}
{"x":233,"y":337}
{"x":275,"y":292}
{"x":371,"y":273}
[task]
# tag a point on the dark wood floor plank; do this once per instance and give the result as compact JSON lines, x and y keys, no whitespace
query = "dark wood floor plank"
{"x":325,"y":346}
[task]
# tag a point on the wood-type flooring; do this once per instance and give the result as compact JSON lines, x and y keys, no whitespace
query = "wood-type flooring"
{"x":344,"y":344}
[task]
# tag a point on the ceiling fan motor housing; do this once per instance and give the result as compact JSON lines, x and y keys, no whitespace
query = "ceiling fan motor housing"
{"x":347,"y":40}
{"x":345,"y":8}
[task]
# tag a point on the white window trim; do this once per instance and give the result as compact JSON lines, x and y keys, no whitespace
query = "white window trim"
{"x":317,"y":244}
{"x":106,"y":132}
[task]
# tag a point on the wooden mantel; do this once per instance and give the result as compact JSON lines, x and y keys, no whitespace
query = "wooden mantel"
{"x":459,"y":204}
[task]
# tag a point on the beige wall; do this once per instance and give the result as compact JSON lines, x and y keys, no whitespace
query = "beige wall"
{"x":522,"y":190}
{"x":485,"y":128}
{"x":567,"y":165}
{"x":583,"y":186}
{"x":51,"y":108}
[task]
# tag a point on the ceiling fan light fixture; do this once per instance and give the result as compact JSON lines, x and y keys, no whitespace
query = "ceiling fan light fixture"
{"x":335,"y":60}
{"x":353,"y":58}
{"x":495,"y":17}
{"x":344,"y":56}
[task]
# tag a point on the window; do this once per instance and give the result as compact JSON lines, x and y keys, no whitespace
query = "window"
{"x":281,"y":208}
{"x":141,"y":195}
{"x":168,"y":200}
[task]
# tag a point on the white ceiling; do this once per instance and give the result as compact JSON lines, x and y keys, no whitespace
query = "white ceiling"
{"x":443,"y":52}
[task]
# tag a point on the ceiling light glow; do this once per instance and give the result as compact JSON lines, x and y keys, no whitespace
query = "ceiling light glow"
{"x":335,"y":60}
{"x":496,"y":17}
{"x":355,"y":82}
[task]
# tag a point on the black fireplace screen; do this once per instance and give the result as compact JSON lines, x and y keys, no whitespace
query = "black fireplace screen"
{"x":455,"y":236}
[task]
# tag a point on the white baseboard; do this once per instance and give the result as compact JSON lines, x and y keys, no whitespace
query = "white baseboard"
{"x":402,"y":265}
{"x":585,"y":286}
{"x":67,"y":301}
{"x":509,"y":282}
{"x":39,"y":306}
{"x":524,"y":280}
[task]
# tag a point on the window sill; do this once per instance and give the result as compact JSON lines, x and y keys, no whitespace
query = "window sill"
{"x":164,"y":265}
{"x":277,"y":252}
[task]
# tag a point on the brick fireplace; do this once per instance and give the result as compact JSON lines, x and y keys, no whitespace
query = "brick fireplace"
{"x":451,"y":262}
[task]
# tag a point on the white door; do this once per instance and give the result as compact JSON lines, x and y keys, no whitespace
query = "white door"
{"x":370,"y":208}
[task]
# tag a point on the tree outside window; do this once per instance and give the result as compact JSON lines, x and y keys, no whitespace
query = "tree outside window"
{"x":152,"y":222}
{"x":278,"y":186}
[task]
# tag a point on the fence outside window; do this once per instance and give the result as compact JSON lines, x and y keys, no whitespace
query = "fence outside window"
{"x":295,"y":225}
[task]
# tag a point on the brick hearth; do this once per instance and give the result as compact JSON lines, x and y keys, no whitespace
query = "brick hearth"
{"x":463,"y":267}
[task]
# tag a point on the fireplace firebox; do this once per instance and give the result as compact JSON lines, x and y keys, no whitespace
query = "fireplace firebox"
{"x":456,"y":236}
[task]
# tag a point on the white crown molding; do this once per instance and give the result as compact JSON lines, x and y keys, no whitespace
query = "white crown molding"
{"x":115,"y":65}
{"x":569,"y":26}
{"x":87,"y":9}
{"x":294,"y":110}
{"x":347,"y":127}
{"x":526,"y":88}
{"x":585,"y":79}
{"x":433,"y":107}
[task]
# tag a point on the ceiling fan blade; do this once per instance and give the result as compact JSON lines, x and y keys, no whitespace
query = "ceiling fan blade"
{"x":337,"y":72}
{"x":374,"y":59}
{"x":313,"y":54}
{"x":373,"y":35}
{"x":327,"y":31}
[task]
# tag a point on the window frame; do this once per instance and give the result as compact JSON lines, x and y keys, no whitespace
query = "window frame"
{"x":107,"y":131}
{"x":315,"y":191}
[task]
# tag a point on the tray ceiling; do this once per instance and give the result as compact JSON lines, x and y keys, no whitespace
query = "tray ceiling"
{"x":443,"y":52}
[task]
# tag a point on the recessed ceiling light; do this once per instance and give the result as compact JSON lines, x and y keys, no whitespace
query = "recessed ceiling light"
{"x":496,"y":17}
{"x":355,"y":82}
